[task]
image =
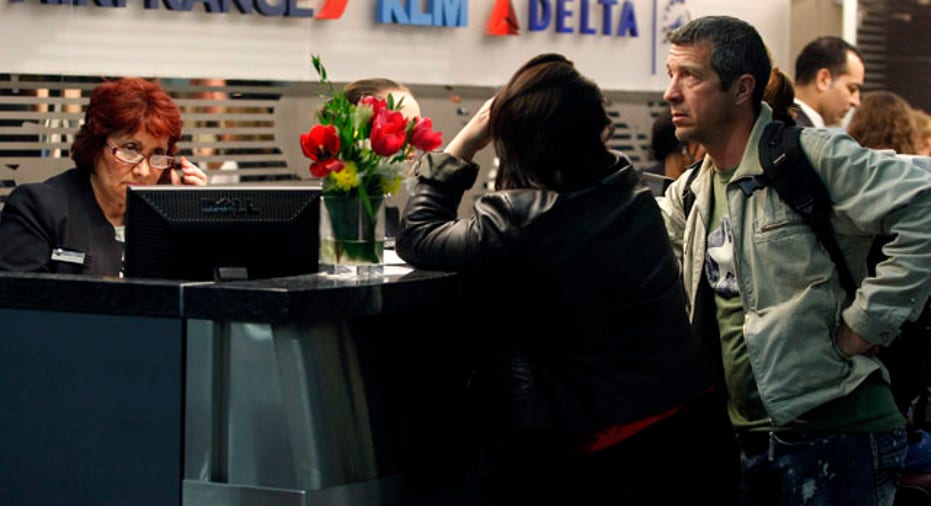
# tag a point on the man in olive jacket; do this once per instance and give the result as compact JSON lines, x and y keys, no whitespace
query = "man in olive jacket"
{"x":805,"y":392}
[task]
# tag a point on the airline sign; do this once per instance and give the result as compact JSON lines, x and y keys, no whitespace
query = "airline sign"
{"x":438,"y":13}
{"x":331,"y":9}
{"x":617,"y":17}
{"x":565,"y":16}
{"x":586,"y":17}
{"x":622,"y":43}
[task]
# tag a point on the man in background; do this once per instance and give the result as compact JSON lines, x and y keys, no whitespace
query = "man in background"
{"x":828,"y":78}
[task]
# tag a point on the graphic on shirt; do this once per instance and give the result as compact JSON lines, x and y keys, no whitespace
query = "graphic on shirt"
{"x":719,"y":260}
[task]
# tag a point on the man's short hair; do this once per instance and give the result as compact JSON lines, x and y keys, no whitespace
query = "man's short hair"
{"x":736,"y":49}
{"x":826,"y":52}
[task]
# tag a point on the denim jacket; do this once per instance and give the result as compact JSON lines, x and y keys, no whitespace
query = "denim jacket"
{"x":792,"y":299}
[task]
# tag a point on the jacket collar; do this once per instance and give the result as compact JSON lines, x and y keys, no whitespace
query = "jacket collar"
{"x":749,"y":165}
{"x":618,"y":171}
{"x":816,"y":120}
{"x":750,"y":161}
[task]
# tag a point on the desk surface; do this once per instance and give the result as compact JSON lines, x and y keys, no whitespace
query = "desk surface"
{"x":90,"y":294}
{"x":266,"y":300}
{"x":316,"y":296}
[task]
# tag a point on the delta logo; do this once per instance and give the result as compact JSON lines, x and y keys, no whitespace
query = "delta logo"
{"x":618,"y":18}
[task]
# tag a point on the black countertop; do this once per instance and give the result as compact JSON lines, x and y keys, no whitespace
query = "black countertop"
{"x":273,"y":300}
{"x":90,"y":294}
{"x":317,"y":296}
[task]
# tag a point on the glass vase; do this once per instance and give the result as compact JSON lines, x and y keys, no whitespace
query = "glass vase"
{"x":352,"y":236}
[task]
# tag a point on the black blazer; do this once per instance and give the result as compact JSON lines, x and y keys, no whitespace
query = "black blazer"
{"x":57,"y":226}
{"x":802,"y":119}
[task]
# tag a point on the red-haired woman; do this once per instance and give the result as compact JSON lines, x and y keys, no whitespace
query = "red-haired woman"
{"x":73,"y":222}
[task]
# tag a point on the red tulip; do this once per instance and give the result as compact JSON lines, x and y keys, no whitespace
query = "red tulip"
{"x":323,"y":169}
{"x":377,"y":104}
{"x":321,"y":143}
{"x":423,"y":137}
{"x":389,"y":132}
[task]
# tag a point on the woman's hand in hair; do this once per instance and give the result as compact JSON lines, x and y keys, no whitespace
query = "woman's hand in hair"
{"x":474,"y":136}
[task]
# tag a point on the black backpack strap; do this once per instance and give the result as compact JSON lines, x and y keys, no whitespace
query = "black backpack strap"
{"x":688,"y":197}
{"x":788,"y":171}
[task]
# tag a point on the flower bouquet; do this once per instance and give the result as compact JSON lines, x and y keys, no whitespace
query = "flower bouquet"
{"x":360,"y":152}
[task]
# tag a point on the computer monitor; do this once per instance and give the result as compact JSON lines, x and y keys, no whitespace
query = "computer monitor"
{"x":221,"y":233}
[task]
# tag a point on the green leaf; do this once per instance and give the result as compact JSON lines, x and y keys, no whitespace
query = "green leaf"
{"x":321,"y":71}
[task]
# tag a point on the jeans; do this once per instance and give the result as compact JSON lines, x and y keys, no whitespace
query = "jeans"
{"x":919,"y":454}
{"x":826,"y":470}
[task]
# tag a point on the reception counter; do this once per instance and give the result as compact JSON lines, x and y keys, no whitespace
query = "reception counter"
{"x":291,"y":391}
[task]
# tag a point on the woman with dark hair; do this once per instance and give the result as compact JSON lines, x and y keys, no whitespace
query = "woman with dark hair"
{"x":589,"y":380}
{"x":73,"y":222}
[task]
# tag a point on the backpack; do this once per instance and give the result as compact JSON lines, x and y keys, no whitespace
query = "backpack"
{"x":788,"y":171}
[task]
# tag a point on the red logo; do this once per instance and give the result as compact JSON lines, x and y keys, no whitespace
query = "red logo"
{"x":503,"y":19}
{"x":332,"y":9}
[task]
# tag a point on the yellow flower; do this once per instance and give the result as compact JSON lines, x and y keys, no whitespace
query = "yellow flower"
{"x":348,"y":178}
{"x":390,"y":186}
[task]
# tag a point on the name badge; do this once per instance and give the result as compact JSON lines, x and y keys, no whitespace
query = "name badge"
{"x":71,"y":257}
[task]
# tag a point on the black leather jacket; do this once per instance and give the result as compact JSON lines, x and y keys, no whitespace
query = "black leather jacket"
{"x":593,"y":326}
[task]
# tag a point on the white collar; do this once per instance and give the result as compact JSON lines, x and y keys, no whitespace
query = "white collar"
{"x":816,"y":120}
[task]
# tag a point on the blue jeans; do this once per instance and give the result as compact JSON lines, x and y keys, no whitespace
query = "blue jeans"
{"x":826,"y":470}
{"x":919,"y":454}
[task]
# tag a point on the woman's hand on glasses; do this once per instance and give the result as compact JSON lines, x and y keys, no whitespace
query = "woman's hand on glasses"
{"x":186,"y":173}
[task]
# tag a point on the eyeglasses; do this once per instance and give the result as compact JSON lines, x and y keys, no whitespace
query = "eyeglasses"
{"x":132,"y":157}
